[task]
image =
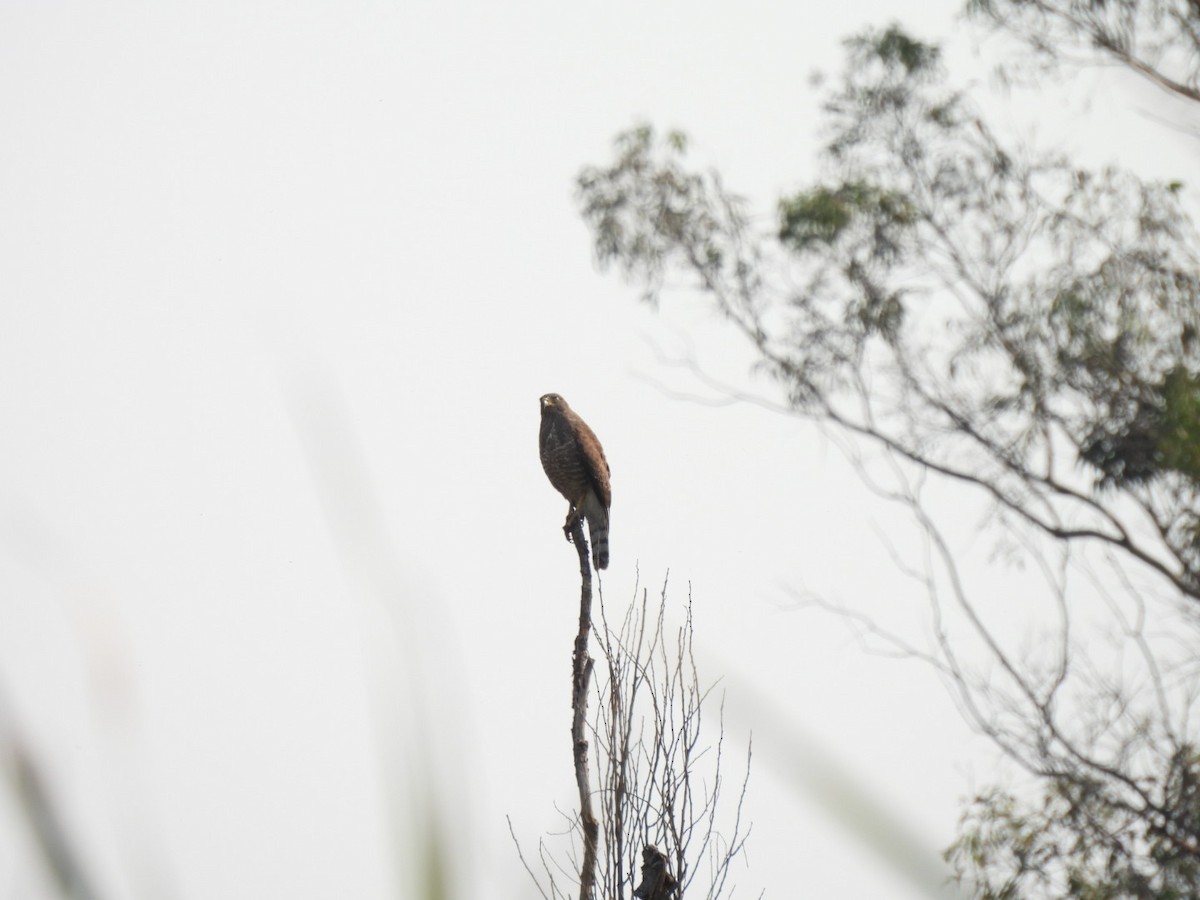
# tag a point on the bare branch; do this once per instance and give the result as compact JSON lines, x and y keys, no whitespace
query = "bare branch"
{"x":581,"y":674}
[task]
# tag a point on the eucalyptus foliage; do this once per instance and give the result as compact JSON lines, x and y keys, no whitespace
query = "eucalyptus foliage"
{"x":1020,"y":326}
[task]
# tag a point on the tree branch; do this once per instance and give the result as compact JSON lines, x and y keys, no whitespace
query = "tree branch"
{"x":581,"y":675}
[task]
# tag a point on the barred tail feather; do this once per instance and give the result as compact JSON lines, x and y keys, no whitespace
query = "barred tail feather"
{"x":598,"y":532}
{"x":597,"y":519}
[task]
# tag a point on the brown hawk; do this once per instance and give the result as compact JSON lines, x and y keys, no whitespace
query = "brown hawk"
{"x":575,"y":464}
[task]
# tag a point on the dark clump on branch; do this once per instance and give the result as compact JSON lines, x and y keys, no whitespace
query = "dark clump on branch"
{"x":657,"y":881}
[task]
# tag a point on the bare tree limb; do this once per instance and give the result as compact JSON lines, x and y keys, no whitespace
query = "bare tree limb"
{"x":581,"y":676}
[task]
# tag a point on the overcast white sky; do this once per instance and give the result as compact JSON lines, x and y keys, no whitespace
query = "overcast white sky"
{"x":281,"y":285}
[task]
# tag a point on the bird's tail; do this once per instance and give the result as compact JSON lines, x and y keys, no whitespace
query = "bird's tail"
{"x":597,"y":519}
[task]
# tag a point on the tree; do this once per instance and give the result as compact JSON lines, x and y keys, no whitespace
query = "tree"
{"x":1159,"y":39}
{"x":658,"y":792}
{"x":1021,"y":330}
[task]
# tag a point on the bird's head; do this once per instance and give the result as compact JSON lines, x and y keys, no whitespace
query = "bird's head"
{"x":552,"y":401}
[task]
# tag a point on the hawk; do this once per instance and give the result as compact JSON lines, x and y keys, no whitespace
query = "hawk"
{"x":575,"y":464}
